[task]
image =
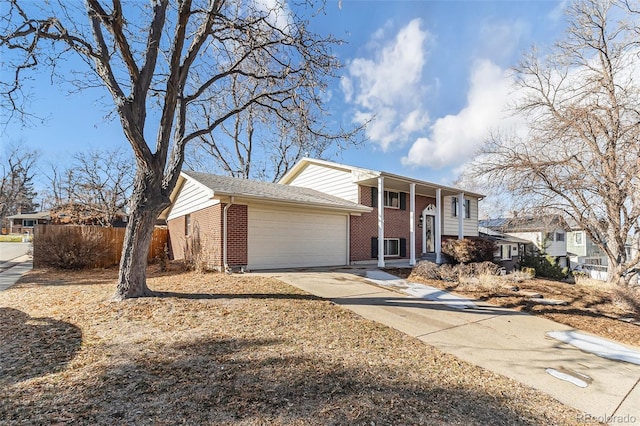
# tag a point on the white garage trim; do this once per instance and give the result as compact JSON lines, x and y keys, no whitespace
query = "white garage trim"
{"x":282,"y":237}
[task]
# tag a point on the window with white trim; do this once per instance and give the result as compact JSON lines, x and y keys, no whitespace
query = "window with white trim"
{"x":578,"y":238}
{"x":392,"y":247}
{"x":559,"y":236}
{"x":505,"y":251}
{"x":187,"y":225}
{"x":467,"y":207}
{"x":392,"y":199}
{"x":28,"y":222}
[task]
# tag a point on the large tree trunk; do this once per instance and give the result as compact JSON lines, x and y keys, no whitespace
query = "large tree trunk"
{"x":617,"y":268}
{"x":147,"y":202}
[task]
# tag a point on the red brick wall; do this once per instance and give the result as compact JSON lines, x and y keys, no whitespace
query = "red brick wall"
{"x":396,"y":225}
{"x":237,"y":235}
{"x":207,"y":224}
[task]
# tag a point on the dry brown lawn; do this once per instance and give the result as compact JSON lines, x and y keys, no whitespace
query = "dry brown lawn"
{"x":219,"y":349}
{"x":591,"y":308}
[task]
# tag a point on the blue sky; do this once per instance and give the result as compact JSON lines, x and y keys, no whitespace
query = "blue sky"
{"x":432,"y":76}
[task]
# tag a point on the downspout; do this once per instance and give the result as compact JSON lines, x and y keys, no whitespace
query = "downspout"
{"x":224,"y":235}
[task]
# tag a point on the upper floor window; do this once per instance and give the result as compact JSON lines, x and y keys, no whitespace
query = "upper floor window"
{"x":559,"y":236}
{"x":578,"y":238}
{"x":548,"y":236}
{"x":392,"y":199}
{"x":467,"y":207}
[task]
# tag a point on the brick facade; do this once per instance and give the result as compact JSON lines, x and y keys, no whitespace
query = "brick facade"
{"x":396,"y":225}
{"x":207,"y":226}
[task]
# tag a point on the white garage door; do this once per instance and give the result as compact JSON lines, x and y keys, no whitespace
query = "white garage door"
{"x":294,"y":238}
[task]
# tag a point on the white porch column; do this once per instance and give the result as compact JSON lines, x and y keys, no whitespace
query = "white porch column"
{"x":412,"y":225}
{"x":438,"y":226}
{"x":380,"y":222}
{"x":461,"y":216}
{"x":424,"y":232}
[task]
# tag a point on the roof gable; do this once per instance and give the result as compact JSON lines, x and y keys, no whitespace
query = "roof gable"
{"x":245,"y":189}
{"x":366,"y":176}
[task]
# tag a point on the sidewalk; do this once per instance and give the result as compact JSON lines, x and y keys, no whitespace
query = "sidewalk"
{"x":504,"y":341}
{"x":11,"y":271}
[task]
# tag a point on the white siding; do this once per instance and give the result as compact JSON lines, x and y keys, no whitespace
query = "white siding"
{"x":553,"y":248}
{"x":450,"y":223}
{"x":557,"y":248}
{"x":328,"y":180}
{"x":286,"y":238}
{"x":534,"y":237}
{"x":192,"y":197}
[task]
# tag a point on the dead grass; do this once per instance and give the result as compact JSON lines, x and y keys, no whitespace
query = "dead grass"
{"x":592,"y":308}
{"x":218,"y":349}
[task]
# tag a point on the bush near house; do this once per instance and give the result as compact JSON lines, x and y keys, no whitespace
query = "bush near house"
{"x":69,"y":249}
{"x":453,"y":273}
{"x":469,"y":250}
{"x":544,"y":265}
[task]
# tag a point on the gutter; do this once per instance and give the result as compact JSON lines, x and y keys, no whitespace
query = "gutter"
{"x":224,"y":234}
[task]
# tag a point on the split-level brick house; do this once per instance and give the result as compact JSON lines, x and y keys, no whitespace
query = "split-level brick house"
{"x":319,"y":214}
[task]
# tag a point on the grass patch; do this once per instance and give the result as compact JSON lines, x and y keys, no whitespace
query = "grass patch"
{"x":12,"y":238}
{"x":220,"y":349}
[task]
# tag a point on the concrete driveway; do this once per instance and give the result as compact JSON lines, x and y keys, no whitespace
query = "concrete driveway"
{"x":507,"y":342}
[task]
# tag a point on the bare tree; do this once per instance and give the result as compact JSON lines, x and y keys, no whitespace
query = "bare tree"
{"x":169,"y":67}
{"x":94,"y":189}
{"x":581,"y":154}
{"x":17,"y":165}
{"x":248,"y":145}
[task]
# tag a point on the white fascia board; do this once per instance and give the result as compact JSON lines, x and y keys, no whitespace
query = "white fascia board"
{"x":247,"y":199}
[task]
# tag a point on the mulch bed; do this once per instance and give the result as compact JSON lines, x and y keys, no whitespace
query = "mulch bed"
{"x":240,"y":349}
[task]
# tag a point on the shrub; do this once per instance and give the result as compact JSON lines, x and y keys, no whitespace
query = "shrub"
{"x":73,"y":248}
{"x":448,"y":272}
{"x":520,"y":276}
{"x":469,"y":250}
{"x":427,"y":270}
{"x":461,"y":272}
{"x":488,"y":268}
{"x":198,"y":254}
{"x":627,"y":297}
{"x":544,"y":266}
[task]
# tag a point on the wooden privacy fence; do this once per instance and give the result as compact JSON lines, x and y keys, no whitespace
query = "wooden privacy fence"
{"x":105,"y":243}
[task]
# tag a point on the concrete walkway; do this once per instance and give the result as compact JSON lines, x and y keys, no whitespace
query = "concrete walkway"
{"x":12,"y":270}
{"x":504,"y":341}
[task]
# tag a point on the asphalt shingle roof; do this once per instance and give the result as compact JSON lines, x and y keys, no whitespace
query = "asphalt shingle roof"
{"x":227,"y":185}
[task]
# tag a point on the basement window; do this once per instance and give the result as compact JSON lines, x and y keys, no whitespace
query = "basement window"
{"x":392,"y":247}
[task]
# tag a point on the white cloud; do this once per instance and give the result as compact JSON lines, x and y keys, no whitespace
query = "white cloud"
{"x":499,"y":39}
{"x":277,"y":13}
{"x":454,"y":139}
{"x":558,"y":12}
{"x":387,"y":88}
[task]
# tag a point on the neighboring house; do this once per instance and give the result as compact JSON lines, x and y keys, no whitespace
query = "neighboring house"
{"x":24,"y":223}
{"x":581,"y":249}
{"x":508,"y":248}
{"x":548,"y":234}
{"x":81,"y":214}
{"x":319,"y":214}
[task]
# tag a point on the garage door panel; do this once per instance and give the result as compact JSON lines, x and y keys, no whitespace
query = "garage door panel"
{"x":280,"y":238}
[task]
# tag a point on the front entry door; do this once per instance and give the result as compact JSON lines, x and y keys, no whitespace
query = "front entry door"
{"x":431,"y":234}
